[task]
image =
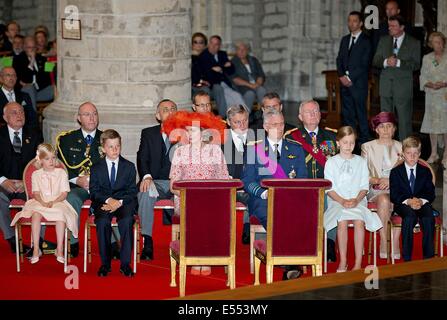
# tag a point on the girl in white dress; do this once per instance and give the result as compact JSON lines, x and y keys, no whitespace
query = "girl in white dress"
{"x":347,"y":198}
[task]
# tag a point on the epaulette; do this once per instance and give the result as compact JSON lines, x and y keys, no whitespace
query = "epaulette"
{"x":330,"y":129}
{"x":252,"y":143}
{"x":289,"y":132}
{"x":293,"y":141}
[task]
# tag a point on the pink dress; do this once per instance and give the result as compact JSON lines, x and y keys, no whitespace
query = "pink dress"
{"x":197,"y":163}
{"x":50,"y":184}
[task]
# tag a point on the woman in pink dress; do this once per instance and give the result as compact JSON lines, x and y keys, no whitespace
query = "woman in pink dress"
{"x":50,"y":187}
{"x":199,"y":156}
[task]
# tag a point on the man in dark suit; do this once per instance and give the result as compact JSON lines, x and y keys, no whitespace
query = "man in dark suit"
{"x":318,"y":144}
{"x":353,"y":61}
{"x":18,"y":147}
{"x":154,"y":165}
{"x":33,"y":79}
{"x":8,"y":78}
{"x":217,"y":70}
{"x":113,"y":192}
{"x":398,"y":56}
{"x":270,"y":101}
{"x":234,"y":150}
{"x":79,"y":150}
{"x":412,"y":192}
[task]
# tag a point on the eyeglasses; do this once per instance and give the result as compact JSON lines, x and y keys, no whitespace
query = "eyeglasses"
{"x":239,"y":122}
{"x":203,"y":105}
{"x":17,"y":113}
{"x":273,"y":106}
{"x":275,"y":124}
{"x":198,"y":42}
{"x":88,"y":114}
{"x":312,"y":112}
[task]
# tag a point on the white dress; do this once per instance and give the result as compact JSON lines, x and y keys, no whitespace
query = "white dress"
{"x":348,"y":178}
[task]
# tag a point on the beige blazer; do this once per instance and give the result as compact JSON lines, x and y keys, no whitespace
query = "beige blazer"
{"x":373,"y":153}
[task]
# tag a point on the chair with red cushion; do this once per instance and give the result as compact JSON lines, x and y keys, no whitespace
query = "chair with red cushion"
{"x":396,"y":221}
{"x":27,"y":173}
{"x":202,"y":242}
{"x":255,"y":228}
{"x":294,"y":227}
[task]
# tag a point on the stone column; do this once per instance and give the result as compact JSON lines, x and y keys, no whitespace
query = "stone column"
{"x":132,"y":54}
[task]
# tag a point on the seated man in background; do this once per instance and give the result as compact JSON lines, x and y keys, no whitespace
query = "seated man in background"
{"x":271,"y":100}
{"x":249,"y":76}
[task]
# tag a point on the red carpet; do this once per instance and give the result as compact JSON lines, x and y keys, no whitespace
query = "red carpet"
{"x":45,"y":280}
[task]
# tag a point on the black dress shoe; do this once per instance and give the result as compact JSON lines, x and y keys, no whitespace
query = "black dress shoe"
{"x":115,"y":251}
{"x":127,"y":271}
{"x":12,"y":243}
{"x":246,"y":234}
{"x":331,"y":256}
{"x":292,"y":272}
{"x":104,"y":271}
{"x":148,"y":250}
{"x":74,"y":249}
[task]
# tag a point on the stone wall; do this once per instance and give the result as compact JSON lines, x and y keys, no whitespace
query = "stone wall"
{"x":29,"y":14}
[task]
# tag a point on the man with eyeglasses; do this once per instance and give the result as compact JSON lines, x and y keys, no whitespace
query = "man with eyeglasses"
{"x":9,"y":93}
{"x":270,"y":101}
{"x":201,"y":102}
{"x":154,"y":166}
{"x":318,"y":144}
{"x":18,"y":147}
{"x":30,"y":68}
{"x":79,"y":150}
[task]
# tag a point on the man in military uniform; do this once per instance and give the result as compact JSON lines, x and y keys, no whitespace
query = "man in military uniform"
{"x":79,"y":150}
{"x":273,"y":157}
{"x":318,"y":144}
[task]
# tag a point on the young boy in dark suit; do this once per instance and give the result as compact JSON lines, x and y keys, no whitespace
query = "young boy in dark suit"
{"x":412,"y":192}
{"x":113,"y":193}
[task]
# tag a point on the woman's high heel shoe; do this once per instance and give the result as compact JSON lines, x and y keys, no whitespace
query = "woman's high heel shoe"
{"x":342,"y":270}
{"x":34,"y":260}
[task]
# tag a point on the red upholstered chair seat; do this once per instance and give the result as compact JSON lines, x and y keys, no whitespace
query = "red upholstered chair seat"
{"x":254,"y":220}
{"x":176,"y":219}
{"x":261,"y":246}
{"x":372,"y":206}
{"x":164,"y":204}
{"x":17,"y":203}
{"x":175,"y":246}
{"x":397,"y":220}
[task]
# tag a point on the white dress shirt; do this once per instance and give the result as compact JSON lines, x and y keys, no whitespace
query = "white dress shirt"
{"x":407,"y":168}
{"x":308,"y":131}
{"x":399,"y":44}
{"x":272,"y":145}
{"x":84,"y":134}
{"x":9,"y":94}
{"x":239,"y":144}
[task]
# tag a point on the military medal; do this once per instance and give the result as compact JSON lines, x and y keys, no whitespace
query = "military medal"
{"x":27,"y":141}
{"x":292,"y":174}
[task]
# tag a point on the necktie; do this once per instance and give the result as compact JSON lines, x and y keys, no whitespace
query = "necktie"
{"x":89,"y":139}
{"x":278,"y":155}
{"x":216,"y":57}
{"x":412,"y":180}
{"x":312,"y":134}
{"x":395,"y":49}
{"x":112,"y":174}
{"x":10,"y":98}
{"x":242,"y":144}
{"x":351,"y":45}
{"x":17,"y":143}
{"x":167,"y":144}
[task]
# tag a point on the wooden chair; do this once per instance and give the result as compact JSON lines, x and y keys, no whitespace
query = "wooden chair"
{"x":396,"y":220}
{"x":27,"y":173}
{"x":202,"y":242}
{"x":294,"y":228}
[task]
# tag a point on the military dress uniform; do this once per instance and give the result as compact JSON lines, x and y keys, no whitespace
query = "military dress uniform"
{"x":78,"y":156}
{"x":291,"y":160}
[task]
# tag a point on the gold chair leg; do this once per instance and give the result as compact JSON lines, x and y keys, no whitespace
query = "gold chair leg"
{"x":173,"y":269}
{"x":20,"y":242}
{"x":269,"y":269}
{"x":370,"y":247}
{"x":437,"y":229}
{"x":319,"y":270}
{"x":257,"y":265}
{"x":314,"y":271}
{"x":89,"y":243}
{"x":305,"y":269}
{"x":388,"y":243}
{"x":137,"y":225}
{"x":182,"y":279}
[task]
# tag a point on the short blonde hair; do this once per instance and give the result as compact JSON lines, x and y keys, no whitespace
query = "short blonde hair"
{"x":44,"y":149}
{"x":411,"y":142}
{"x":109,"y":134}
{"x":345,"y":131}
{"x":436,"y":34}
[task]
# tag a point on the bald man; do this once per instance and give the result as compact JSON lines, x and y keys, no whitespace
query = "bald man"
{"x":19,"y":144}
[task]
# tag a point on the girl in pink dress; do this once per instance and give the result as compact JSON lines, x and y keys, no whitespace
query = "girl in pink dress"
{"x":50,"y":187}
{"x":200,"y":156}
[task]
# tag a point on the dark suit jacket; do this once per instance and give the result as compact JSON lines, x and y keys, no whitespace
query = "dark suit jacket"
{"x":400,"y":186}
{"x":234,"y":158}
{"x":357,"y":62}
{"x":25,"y":74}
{"x":242,"y":72}
{"x":23,"y":99}
{"x":151,"y":156}
{"x":124,"y":189}
{"x":11,"y":165}
{"x":207,"y":61}
{"x":398,"y":81}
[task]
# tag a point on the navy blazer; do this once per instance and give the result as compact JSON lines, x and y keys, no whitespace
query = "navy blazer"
{"x":400,"y":186}
{"x":124,"y":189}
{"x":358,"y":62}
{"x":207,"y":62}
{"x":151,"y":156}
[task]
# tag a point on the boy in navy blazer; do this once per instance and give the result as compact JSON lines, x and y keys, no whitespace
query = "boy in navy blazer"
{"x":412,"y":192}
{"x":113,"y":192}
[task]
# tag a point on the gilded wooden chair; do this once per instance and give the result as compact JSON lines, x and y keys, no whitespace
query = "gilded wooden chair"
{"x":202,"y":242}
{"x":396,"y":220}
{"x":294,"y":227}
{"x":27,"y":174}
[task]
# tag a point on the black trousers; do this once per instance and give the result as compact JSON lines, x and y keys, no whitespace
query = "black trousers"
{"x":409,"y":219}
{"x":354,"y":111}
{"x":103,"y":221}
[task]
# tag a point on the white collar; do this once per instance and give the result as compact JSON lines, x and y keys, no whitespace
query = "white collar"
{"x":357,"y":35}
{"x":236,"y":135}
{"x":308,"y":131}
{"x":85,"y":133}
{"x":11,"y":131}
{"x":272,"y":143}
{"x":408,"y":167}
{"x":6,"y":92}
{"x":109,"y":162}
